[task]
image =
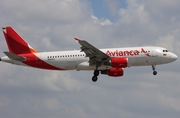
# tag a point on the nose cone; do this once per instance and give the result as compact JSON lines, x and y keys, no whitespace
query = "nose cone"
{"x":174,"y":57}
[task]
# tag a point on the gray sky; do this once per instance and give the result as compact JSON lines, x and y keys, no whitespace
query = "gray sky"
{"x":52,"y":24}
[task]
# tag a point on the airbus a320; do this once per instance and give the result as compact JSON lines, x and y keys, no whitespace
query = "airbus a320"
{"x":111,"y":61}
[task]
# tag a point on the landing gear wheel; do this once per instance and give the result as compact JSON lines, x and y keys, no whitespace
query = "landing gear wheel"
{"x":96,"y":72}
{"x":155,"y":73}
{"x":94,"y":78}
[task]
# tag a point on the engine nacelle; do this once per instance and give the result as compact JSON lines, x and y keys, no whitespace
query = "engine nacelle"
{"x":114,"y":72}
{"x":119,"y":62}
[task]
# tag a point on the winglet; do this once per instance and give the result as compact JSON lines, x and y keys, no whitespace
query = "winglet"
{"x":77,"y":39}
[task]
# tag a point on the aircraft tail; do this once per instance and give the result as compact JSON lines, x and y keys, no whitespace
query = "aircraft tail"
{"x":16,"y":44}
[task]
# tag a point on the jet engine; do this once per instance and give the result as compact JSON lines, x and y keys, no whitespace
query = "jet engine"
{"x":113,"y":72}
{"x":119,"y":62}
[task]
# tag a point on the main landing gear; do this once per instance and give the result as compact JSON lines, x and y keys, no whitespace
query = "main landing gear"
{"x":95,"y":77}
{"x":154,"y":71}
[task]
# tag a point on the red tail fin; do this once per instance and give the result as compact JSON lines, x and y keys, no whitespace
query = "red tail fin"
{"x":15,"y":42}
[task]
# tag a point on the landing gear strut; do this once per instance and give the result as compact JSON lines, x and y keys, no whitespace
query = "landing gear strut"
{"x":154,"y":71}
{"x":95,"y":78}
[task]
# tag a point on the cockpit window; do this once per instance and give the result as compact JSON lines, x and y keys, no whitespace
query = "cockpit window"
{"x":165,"y":50}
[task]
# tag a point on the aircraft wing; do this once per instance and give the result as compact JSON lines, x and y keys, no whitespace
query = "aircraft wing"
{"x":95,"y":55}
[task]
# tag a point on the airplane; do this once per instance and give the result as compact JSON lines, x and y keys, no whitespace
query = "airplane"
{"x":110,"y":61}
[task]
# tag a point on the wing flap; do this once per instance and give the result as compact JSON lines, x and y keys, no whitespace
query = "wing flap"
{"x":95,"y":55}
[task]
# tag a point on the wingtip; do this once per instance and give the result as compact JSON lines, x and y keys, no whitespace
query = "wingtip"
{"x":77,"y":39}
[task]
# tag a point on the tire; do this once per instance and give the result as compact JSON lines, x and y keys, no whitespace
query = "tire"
{"x":155,"y":73}
{"x":94,"y":78}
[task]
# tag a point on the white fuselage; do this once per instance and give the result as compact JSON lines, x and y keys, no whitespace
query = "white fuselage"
{"x":110,"y":61}
{"x":77,"y":60}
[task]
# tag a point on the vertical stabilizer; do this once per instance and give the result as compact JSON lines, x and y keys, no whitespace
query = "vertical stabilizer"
{"x":15,"y":42}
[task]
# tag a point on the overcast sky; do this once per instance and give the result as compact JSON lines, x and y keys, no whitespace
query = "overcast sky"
{"x":52,"y":24}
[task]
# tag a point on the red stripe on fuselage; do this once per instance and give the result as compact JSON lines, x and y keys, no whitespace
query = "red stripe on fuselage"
{"x":33,"y":61}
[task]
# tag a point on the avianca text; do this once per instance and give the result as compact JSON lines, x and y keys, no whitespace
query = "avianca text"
{"x":118,"y":53}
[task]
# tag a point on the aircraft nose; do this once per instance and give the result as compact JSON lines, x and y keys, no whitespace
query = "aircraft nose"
{"x":174,"y":57}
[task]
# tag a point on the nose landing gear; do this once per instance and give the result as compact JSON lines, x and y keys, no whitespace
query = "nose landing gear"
{"x":96,"y":73}
{"x":154,"y":71}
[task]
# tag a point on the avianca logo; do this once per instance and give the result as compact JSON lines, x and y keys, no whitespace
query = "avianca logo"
{"x":143,"y":51}
{"x":118,"y":53}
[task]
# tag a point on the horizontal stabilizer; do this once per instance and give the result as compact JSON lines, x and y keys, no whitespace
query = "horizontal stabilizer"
{"x":14,"y":56}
